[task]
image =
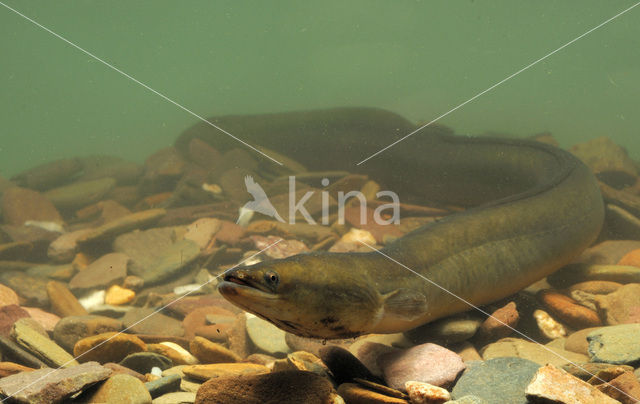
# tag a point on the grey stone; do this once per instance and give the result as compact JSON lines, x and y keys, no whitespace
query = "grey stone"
{"x":164,"y":385}
{"x":469,"y":399}
{"x":46,"y":386}
{"x":105,"y":271}
{"x":616,"y":344}
{"x":70,"y":330}
{"x":267,"y":337}
{"x":500,"y":380}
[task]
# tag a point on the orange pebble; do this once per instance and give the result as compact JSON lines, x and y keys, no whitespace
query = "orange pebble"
{"x":568,"y":310}
{"x":631,"y":258}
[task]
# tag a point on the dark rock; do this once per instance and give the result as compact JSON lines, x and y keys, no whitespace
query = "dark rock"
{"x":12,"y":351}
{"x":63,"y":302}
{"x":49,"y":386}
{"x":611,"y":163}
{"x":163,"y":385}
{"x":96,"y":167}
{"x":30,"y":288}
{"x":142,"y":362}
{"x":344,"y":366}
{"x":79,"y":194}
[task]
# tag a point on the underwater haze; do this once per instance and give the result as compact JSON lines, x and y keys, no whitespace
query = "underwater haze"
{"x":418,"y":59}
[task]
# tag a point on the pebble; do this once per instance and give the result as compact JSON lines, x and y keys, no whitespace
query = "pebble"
{"x":616,"y":344}
{"x":267,"y":337}
{"x":368,"y":353}
{"x":211,"y":352}
{"x":197,"y":318}
{"x":107,"y":270}
{"x":107,"y":347}
{"x":283,"y":248}
{"x":63,"y":302}
{"x":153,"y":322}
{"x":568,"y":310}
{"x":32,"y":289}
{"x":121,"y":388}
{"x":577,"y":341}
{"x":41,"y":346}
{"x":8,"y":296}
{"x":202,"y":231}
{"x":9,"y":314}
{"x":64,"y":248}
{"x":10,"y":368}
{"x":143,"y":362}
{"x":558,"y":386}
{"x":622,"y":386}
{"x":121,"y":369}
{"x":621,"y":306}
{"x":122,"y":225}
{"x":355,"y":393}
{"x":14,"y":352}
{"x":208,"y":371}
{"x":520,"y":348}
{"x":78,"y":194}
{"x":595,"y":287}
{"x":425,"y":393}
{"x":277,"y":387}
{"x":428,"y":363}
{"x":499,"y":380}
{"x":500,"y":324}
{"x":117,"y":295}
{"x":19,"y":205}
{"x":548,"y":326}
{"x":48,"y":175}
{"x":163,"y":385}
{"x":448,"y":330}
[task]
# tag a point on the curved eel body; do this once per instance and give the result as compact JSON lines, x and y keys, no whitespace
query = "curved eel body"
{"x":532,"y":209}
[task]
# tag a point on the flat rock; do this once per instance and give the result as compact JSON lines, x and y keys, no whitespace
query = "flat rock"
{"x":541,"y":354}
{"x":278,"y":387}
{"x":155,"y":254}
{"x":558,"y":386}
{"x":500,"y":380}
{"x":104,"y":166}
{"x":211,"y":352}
{"x":609,"y":161}
{"x":121,"y":388}
{"x":63,"y":302}
{"x":48,"y":175}
{"x":107,"y":270}
{"x":197,"y":318}
{"x":153,"y":323}
{"x":577,"y":341}
{"x":424,"y":393}
{"x":79,"y":194}
{"x":608,"y":252}
{"x":46,"y":386}
{"x":64,"y":248}
{"x":616,"y":344}
{"x":70,"y":330}
{"x":19,"y":205}
{"x":202,"y":231}
{"x":428,"y":363}
{"x":621,"y":306}
{"x":33,"y":289}
{"x":267,"y":337}
{"x":10,"y":368}
{"x":143,"y":362}
{"x":41,"y":346}
{"x":586,"y":371}
{"x":177,"y":354}
{"x":215,"y":370}
{"x":14,"y":352}
{"x":449,"y":330}
{"x":122,"y":225}
{"x":568,"y":310}
{"x":107,"y":347}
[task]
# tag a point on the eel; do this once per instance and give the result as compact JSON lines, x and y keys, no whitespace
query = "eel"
{"x":531,"y":208}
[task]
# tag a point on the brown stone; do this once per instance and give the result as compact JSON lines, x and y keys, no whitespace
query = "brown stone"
{"x":9,"y":314}
{"x":556,"y":385}
{"x":500,"y":324}
{"x":107,"y":270}
{"x":277,"y":387}
{"x":595,"y":287}
{"x":577,"y":342}
{"x":624,"y":387}
{"x":10,"y":368}
{"x":355,"y":394}
{"x":621,"y":306}
{"x":20,"y":205}
{"x":63,"y":302}
{"x":567,"y":310}
{"x":107,"y":347}
{"x":215,"y":370}
{"x":211,"y":352}
{"x":198,"y":318}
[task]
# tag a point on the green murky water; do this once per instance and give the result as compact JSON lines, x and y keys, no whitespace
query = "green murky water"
{"x":419,"y":59}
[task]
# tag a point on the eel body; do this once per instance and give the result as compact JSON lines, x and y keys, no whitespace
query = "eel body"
{"x":531,"y":209}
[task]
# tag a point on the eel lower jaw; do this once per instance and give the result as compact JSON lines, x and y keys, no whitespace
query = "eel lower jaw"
{"x":234,"y":286}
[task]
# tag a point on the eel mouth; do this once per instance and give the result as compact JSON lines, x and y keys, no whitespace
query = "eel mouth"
{"x":242,"y":284}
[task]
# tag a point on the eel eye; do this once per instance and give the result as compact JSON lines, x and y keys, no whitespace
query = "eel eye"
{"x":271,"y":278}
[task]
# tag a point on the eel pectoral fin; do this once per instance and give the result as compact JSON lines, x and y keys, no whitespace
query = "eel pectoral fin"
{"x":407,"y":304}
